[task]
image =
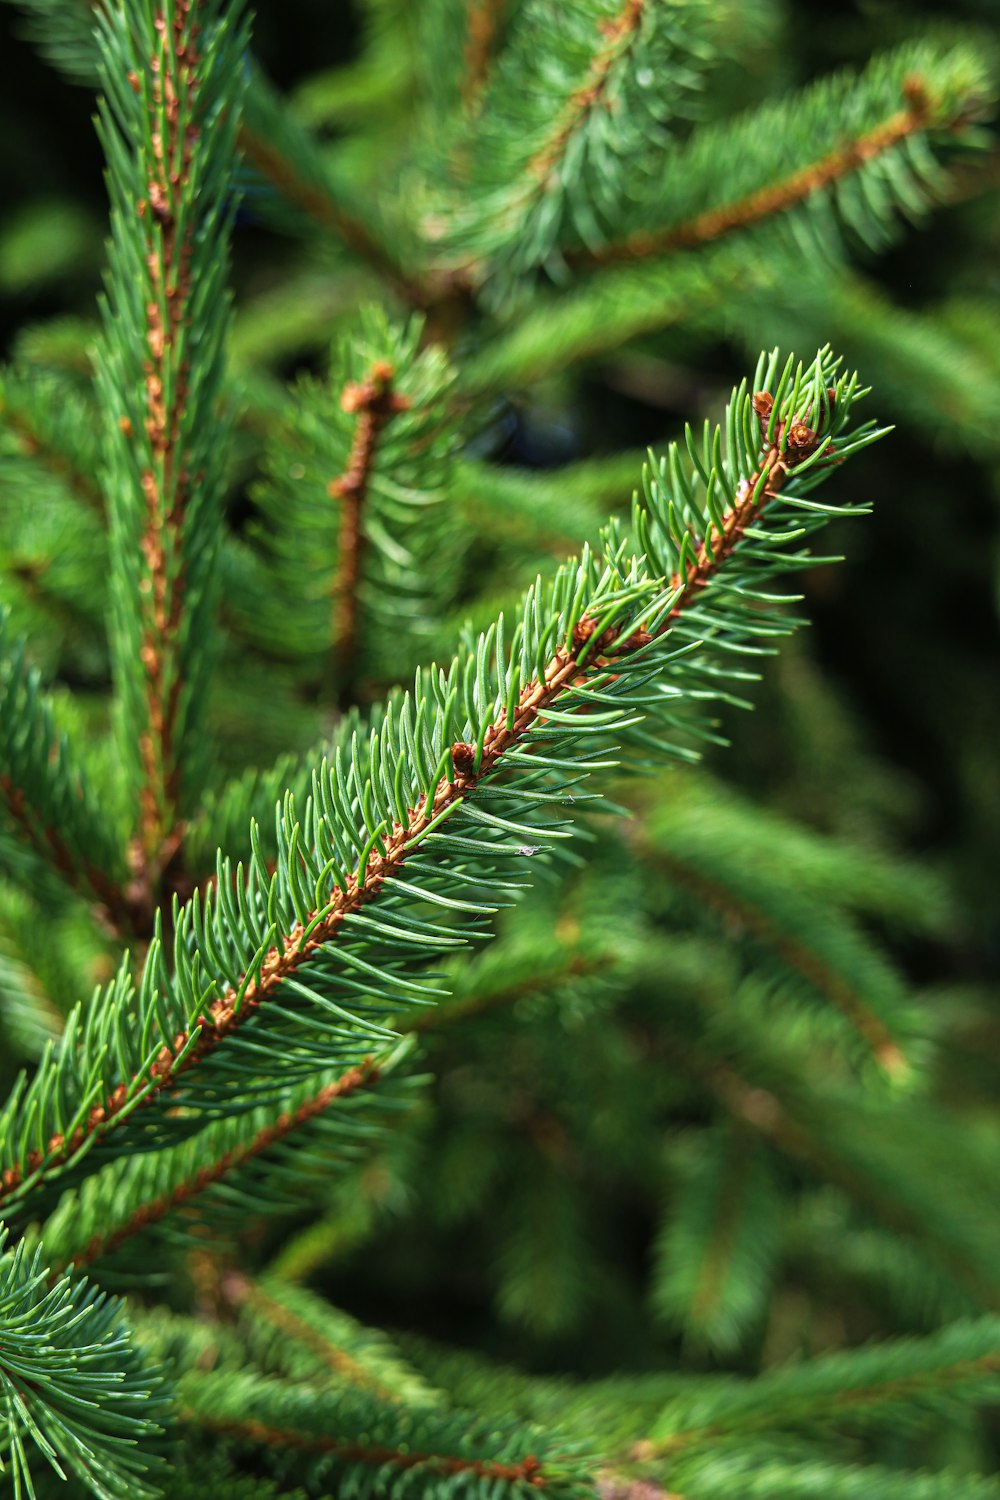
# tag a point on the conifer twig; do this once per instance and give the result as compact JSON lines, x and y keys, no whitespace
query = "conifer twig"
{"x":211,"y":1173}
{"x":240,"y":1290}
{"x":837,"y":1404}
{"x":35,"y":444}
{"x":563,"y":672}
{"x":375,"y":403}
{"x":80,"y":875}
{"x":776,"y":198}
{"x":618,"y":33}
{"x":528,"y":1470}
{"x":206,"y":1175}
{"x":168,"y":120}
{"x":733,"y":905}
{"x":786,"y":444}
{"x":764,"y":1112}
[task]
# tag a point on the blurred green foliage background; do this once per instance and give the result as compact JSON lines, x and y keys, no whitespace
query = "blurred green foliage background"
{"x":883,"y":726}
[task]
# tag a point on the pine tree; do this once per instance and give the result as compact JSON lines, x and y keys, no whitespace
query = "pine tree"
{"x":374,"y":912}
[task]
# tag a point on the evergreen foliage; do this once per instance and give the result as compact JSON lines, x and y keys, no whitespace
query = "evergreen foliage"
{"x":374,"y":914}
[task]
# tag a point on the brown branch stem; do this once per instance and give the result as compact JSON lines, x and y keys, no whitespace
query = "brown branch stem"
{"x":374,"y":402}
{"x":350,"y":1082}
{"x":166,"y":483}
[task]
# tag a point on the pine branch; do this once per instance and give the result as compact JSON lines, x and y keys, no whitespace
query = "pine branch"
{"x":173,"y":84}
{"x":719,"y":1477}
{"x":894,"y":106}
{"x":717,"y":1249}
{"x":725,"y":164}
{"x":935,"y":369}
{"x":566,"y":113}
{"x":376,"y":440}
{"x":619,"y":33}
{"x":291,"y":1332}
{"x":832,"y":1250}
{"x":262,"y":1161}
{"x":855,"y":1139}
{"x":851,"y":1388}
{"x":806,"y":941}
{"x":427,"y":1453}
{"x":54,"y":426}
{"x":701,"y":813}
{"x":624,"y":625}
{"x":291,"y":167}
{"x":71,"y":1383}
{"x":609,"y":1414}
{"x":46,"y":809}
{"x":778,"y":197}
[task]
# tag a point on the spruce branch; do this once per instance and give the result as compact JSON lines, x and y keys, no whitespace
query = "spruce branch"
{"x":261,"y":1161}
{"x":718,"y":1245}
{"x":241,"y":1291}
{"x":53,"y":425}
{"x":72,"y":1384}
{"x":880,"y":123}
{"x":723,"y":164}
{"x":356,"y":523}
{"x":173,"y":85}
{"x":47,"y":812}
{"x":568,"y":109}
{"x":758,"y":1472}
{"x":291,"y":1332}
{"x":778,"y":197}
{"x":416,"y":817}
{"x":816,"y":966}
{"x":856,"y":1140}
{"x":299,"y":189}
{"x":618,"y":33}
{"x":853,"y":1388}
{"x":427,"y":1452}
